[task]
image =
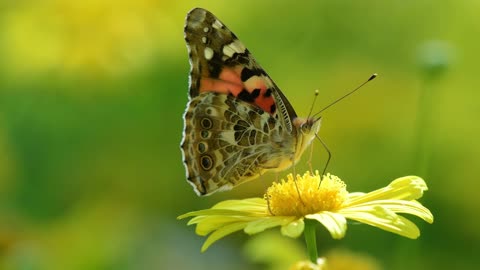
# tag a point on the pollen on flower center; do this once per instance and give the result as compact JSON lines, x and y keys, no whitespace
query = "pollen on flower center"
{"x":311,"y":197}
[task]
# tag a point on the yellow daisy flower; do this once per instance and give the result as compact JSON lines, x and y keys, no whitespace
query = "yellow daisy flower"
{"x":293,"y":203}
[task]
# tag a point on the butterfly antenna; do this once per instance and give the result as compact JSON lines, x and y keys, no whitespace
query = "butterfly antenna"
{"x":313,"y":103}
{"x":374,"y":75}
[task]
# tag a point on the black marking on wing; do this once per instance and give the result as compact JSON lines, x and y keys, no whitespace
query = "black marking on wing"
{"x":248,"y":73}
{"x":245,"y":96}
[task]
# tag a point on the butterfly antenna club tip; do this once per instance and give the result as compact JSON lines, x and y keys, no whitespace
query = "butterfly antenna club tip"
{"x":313,"y":103}
{"x":373,"y":76}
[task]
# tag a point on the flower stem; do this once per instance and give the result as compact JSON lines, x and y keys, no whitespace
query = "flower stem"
{"x":311,"y":240}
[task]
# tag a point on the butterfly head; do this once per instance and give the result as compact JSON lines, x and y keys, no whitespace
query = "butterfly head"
{"x":307,"y":128}
{"x":309,"y":125}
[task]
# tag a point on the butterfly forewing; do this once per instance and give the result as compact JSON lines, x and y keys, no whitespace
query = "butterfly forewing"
{"x":221,"y":63}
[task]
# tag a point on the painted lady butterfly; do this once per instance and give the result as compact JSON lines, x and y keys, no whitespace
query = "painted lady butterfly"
{"x":238,"y":124}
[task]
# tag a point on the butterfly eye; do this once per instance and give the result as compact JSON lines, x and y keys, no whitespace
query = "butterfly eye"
{"x":305,"y":127}
{"x":302,"y":128}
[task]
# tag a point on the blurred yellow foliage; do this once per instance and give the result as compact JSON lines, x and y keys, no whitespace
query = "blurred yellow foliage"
{"x":105,"y":37}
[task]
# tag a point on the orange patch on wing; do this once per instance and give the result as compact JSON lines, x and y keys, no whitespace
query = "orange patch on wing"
{"x":231,"y":75}
{"x":219,"y":86}
{"x":229,"y":82}
{"x":265,"y":102}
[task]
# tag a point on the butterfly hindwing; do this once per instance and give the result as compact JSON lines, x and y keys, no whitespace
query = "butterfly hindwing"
{"x":227,"y":142}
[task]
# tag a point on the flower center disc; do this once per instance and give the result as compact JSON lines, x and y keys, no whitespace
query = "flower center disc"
{"x":306,"y":195}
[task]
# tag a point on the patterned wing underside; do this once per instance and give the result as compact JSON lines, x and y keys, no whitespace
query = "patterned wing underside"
{"x":238,"y":124}
{"x":221,"y":63}
{"x":228,"y":141}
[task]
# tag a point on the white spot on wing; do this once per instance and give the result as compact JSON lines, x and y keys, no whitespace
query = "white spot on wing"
{"x":204,"y":39}
{"x":217,"y":24}
{"x":208,"y":52}
{"x":237,"y":46}
{"x":228,"y":50}
{"x":205,"y":29}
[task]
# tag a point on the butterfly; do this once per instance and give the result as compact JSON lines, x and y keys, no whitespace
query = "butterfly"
{"x":237,"y":124}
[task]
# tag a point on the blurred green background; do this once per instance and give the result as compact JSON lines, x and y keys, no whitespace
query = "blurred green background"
{"x":91,"y":101}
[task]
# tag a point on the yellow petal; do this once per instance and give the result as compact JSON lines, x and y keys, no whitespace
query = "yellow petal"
{"x":404,"y":188}
{"x":248,"y":205}
{"x":262,"y":224}
{"x":212,"y":223}
{"x":413,"y":186}
{"x":385,"y":219}
{"x":398,"y":206}
{"x":221,"y":232}
{"x":211,"y":212}
{"x":293,"y":229}
{"x":335,"y":223}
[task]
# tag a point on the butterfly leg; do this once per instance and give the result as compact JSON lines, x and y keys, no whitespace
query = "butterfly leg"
{"x":295,"y":181}
{"x":328,"y":153}
{"x":267,"y":197}
{"x":309,"y":162}
{"x":293,"y":169}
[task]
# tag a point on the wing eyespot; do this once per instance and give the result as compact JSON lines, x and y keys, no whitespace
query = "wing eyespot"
{"x":205,"y":134}
{"x":206,"y":162}
{"x":206,"y":123}
{"x":202,"y":147}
